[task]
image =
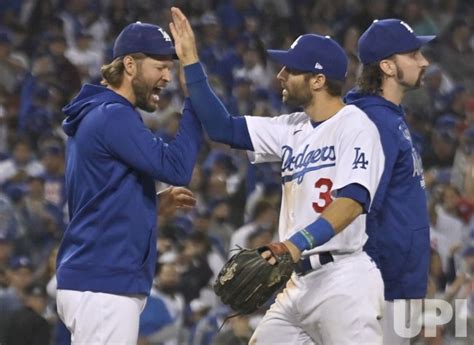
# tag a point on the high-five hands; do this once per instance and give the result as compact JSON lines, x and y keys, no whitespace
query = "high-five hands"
{"x":184,"y":41}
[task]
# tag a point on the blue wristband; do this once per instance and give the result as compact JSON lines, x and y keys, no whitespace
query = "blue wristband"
{"x":315,"y":234}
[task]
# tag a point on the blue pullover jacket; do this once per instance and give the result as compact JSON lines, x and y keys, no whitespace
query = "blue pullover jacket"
{"x":397,"y":226}
{"x":112,"y":162}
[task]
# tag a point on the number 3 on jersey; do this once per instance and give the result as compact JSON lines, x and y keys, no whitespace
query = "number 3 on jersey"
{"x":324,"y":186}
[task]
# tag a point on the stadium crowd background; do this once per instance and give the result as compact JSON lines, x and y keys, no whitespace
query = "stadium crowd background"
{"x":49,"y":47}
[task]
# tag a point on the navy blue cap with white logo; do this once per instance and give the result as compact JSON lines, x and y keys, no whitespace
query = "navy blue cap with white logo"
{"x":387,"y":37}
{"x":316,"y":54}
{"x":144,"y":38}
{"x":18,"y":262}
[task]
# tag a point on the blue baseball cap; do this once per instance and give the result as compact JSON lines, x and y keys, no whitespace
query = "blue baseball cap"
{"x":387,"y":37}
{"x":143,"y":38}
{"x":316,"y":54}
{"x":18,"y":262}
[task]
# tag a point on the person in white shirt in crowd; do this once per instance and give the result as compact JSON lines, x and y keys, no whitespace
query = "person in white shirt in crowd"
{"x":161,"y":322}
{"x":85,"y":57}
{"x":264,"y":216}
{"x":21,"y":165}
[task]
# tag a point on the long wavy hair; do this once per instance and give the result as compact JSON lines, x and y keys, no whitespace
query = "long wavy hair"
{"x":112,"y":73}
{"x":370,"y":79}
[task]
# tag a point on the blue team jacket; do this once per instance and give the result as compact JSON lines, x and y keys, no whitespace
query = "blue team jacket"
{"x":112,"y":162}
{"x":397,"y":225}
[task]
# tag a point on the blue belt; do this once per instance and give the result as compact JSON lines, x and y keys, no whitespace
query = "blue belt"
{"x":304,"y":266}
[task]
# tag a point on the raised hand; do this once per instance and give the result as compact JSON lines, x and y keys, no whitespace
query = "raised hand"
{"x":184,"y":40}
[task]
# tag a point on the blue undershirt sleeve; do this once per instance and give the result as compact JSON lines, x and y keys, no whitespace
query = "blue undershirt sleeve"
{"x":219,"y":124}
{"x":356,"y":192}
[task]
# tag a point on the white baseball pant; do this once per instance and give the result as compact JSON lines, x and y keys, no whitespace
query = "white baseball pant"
{"x":340,"y":303}
{"x":96,"y":318}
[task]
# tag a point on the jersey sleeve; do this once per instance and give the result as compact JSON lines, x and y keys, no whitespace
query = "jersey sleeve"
{"x":360,"y":158}
{"x":266,"y":134}
{"x":128,"y":139}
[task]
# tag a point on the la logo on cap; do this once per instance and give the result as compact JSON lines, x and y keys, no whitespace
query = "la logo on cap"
{"x":165,"y":35}
{"x":318,"y":66}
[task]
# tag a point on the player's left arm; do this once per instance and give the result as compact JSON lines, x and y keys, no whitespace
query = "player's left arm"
{"x":335,"y":218}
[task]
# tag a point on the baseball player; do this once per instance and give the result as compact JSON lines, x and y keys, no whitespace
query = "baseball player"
{"x":397,"y":226}
{"x":106,"y":261}
{"x":331,"y":162}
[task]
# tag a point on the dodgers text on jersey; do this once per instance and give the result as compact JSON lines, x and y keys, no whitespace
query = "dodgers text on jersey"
{"x":306,"y":161}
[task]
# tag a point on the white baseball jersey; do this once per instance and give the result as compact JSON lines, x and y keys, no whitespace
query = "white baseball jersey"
{"x":315,"y":163}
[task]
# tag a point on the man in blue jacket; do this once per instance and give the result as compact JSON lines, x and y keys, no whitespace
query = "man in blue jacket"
{"x":106,"y":261}
{"x":398,"y":225}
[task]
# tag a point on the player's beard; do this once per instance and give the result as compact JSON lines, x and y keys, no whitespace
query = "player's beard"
{"x":298,"y":96}
{"x":142,"y":92}
{"x":407,"y":85}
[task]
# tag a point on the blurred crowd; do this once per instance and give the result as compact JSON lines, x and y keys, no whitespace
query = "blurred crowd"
{"x":48,"y":48}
